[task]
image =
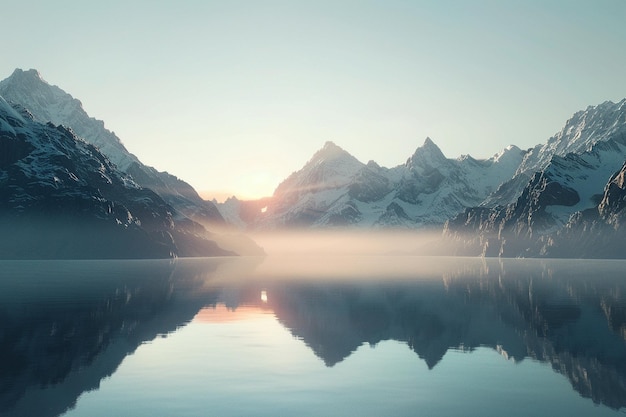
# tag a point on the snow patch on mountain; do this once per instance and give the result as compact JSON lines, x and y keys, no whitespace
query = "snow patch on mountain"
{"x":587,"y":174}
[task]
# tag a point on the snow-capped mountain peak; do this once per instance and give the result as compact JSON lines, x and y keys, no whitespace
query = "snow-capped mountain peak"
{"x":581,"y":132}
{"x":429,"y":148}
{"x":330,"y":152}
{"x":330,"y":146}
{"x":27,"y":77}
{"x":508,"y":153}
{"x":426,"y":158}
{"x":591,"y":125}
{"x":330,"y":167}
{"x":49,"y":103}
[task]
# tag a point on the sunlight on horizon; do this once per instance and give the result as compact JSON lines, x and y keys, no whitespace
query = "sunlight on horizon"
{"x":250,"y":186}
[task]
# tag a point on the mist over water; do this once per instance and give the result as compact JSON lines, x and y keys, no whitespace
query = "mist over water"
{"x":347,"y":242}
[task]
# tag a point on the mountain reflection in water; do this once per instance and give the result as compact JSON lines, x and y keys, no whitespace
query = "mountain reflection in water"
{"x":66,"y":325}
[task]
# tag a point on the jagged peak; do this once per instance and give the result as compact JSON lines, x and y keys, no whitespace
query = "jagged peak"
{"x":607,"y":104}
{"x":427,"y":154}
{"x":330,"y":151}
{"x":23,"y":85}
{"x":329,"y":144}
{"x":330,"y":167}
{"x":331,"y":148}
{"x":430,"y":146}
{"x":593,"y":111}
{"x":428,"y":142}
{"x":48,"y":102}
{"x":511,"y":148}
{"x":507,"y":152}
{"x":510,"y":154}
{"x":466,"y":157}
{"x":27,"y":76}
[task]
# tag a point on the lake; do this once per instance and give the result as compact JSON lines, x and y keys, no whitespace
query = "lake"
{"x":313,"y":336}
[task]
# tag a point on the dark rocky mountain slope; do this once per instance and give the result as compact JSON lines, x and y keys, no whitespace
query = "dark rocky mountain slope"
{"x":49,"y":103}
{"x":60,"y":197}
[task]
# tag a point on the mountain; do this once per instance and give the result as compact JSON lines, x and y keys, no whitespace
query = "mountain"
{"x":554,"y":201}
{"x":317,"y":194}
{"x":49,"y":103}
{"x":60,"y":197}
{"x":439,"y":188}
{"x":580,"y":134}
{"x":335,"y":189}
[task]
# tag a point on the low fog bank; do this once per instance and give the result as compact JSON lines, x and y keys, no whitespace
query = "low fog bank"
{"x":349,"y":242}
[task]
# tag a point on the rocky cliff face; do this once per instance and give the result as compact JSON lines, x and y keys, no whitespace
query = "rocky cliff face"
{"x":599,"y":232}
{"x":60,"y":197}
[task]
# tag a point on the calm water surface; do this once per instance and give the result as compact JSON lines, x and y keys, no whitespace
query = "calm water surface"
{"x":332,"y":336}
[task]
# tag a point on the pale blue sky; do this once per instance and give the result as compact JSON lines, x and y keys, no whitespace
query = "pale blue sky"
{"x":232,"y":96}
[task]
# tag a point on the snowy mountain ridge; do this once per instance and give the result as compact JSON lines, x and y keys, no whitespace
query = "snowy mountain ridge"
{"x":581,"y":132}
{"x":334,"y":189}
{"x":49,"y":103}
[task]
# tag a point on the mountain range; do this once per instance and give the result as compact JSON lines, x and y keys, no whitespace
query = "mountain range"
{"x":517,"y":203}
{"x":335,"y":189}
{"x":561,"y":198}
